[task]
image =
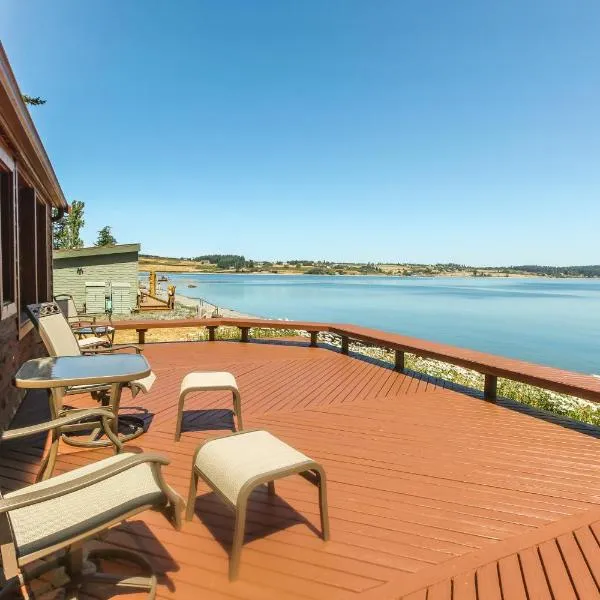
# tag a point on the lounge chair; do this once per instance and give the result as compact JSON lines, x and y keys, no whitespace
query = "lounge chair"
{"x":59,"y":340}
{"x":83,"y":324}
{"x":61,"y":513}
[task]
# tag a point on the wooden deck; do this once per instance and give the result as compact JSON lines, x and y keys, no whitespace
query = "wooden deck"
{"x":433,"y":493}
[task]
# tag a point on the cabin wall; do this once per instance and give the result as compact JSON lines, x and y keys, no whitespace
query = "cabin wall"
{"x":71,"y":274}
{"x":14,"y":353}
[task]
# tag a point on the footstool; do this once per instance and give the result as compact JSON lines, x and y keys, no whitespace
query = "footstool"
{"x":209,"y":382}
{"x":234,"y":465}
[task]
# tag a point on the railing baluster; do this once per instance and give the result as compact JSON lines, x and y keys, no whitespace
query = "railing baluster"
{"x":399,"y":361}
{"x":345,"y":344}
{"x":490,"y":389}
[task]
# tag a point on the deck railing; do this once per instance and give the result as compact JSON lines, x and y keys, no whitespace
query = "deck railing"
{"x":489,"y":365}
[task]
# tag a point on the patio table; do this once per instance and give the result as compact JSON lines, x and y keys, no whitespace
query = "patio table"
{"x":58,"y":373}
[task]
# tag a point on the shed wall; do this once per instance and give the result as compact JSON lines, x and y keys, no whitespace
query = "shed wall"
{"x":70,"y":274}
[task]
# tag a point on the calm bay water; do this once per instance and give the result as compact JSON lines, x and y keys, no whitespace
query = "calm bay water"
{"x":548,"y":321}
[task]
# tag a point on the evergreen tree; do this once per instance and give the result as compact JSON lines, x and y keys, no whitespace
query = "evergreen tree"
{"x":33,"y":100}
{"x":105,"y":237}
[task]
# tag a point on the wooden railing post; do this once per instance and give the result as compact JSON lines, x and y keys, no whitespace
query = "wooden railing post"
{"x":345,"y":344}
{"x":244,"y":336}
{"x":490,"y":389}
{"x":313,"y":338}
{"x":211,"y":332}
{"x":141,"y":336}
{"x":399,"y":361}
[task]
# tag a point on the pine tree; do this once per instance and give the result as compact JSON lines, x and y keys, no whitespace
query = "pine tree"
{"x":105,"y":237}
{"x":33,"y":100}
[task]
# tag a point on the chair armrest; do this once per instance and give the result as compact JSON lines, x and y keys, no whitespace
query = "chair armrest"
{"x":137,"y":349}
{"x":77,"y":323}
{"x":83,"y":317}
{"x":73,"y":416}
{"x":68,"y":487}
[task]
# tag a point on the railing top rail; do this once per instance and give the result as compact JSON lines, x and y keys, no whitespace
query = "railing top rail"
{"x":218,"y":322}
{"x":558,"y":380}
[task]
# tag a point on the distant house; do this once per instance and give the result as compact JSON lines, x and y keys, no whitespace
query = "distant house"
{"x":28,"y":190}
{"x":99,"y":277}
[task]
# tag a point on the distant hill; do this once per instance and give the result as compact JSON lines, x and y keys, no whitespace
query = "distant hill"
{"x":581,"y":271}
{"x":234,"y":263}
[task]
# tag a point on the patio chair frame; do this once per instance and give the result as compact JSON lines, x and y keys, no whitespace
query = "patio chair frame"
{"x":63,"y":421}
{"x":108,"y":394}
{"x":74,"y":560}
{"x":84,"y":320}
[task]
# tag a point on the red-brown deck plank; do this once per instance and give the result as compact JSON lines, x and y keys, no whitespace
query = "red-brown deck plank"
{"x":424,"y":484}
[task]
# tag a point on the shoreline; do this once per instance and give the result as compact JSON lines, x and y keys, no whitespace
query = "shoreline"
{"x":205,"y":309}
{"x":432,"y":276}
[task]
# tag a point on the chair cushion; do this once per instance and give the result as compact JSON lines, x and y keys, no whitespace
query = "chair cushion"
{"x":90,"y":342}
{"x":145,"y":384}
{"x":47,"y":523}
{"x":99,"y":329}
{"x":211,"y":380}
{"x":229,"y":462}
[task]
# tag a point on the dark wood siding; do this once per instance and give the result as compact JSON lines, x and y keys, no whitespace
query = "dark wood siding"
{"x":13,"y":354}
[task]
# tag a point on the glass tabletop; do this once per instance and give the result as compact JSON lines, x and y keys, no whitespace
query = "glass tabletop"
{"x":63,"y":371}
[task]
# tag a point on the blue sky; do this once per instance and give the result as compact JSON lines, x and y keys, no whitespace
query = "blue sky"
{"x":415,"y":130}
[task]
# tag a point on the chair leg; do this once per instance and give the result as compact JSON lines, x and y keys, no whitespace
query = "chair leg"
{"x":49,"y":461}
{"x":191,"y":500}
{"x":238,"y":539}
{"x":179,"y":417}
{"x":323,"y":503}
{"x":74,"y":560}
{"x":110,"y":434}
{"x":124,"y":583}
{"x":237,"y":408}
{"x":10,"y":589}
{"x":271,"y":488}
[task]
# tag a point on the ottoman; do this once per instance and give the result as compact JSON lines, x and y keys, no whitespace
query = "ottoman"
{"x":209,"y":381}
{"x":234,"y":465}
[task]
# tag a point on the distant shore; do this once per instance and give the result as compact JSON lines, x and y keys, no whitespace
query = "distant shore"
{"x":453,"y":275}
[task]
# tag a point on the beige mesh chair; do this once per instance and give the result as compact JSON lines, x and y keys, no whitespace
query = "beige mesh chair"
{"x":63,"y":512}
{"x":60,"y":341}
{"x":83,"y":324}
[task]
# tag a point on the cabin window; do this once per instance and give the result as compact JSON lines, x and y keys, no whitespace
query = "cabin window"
{"x":27,"y":248}
{"x":7,"y":241}
{"x":42,"y":218}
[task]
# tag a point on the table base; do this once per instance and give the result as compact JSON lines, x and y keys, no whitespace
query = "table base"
{"x":78,"y":567}
{"x":134,"y":427}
